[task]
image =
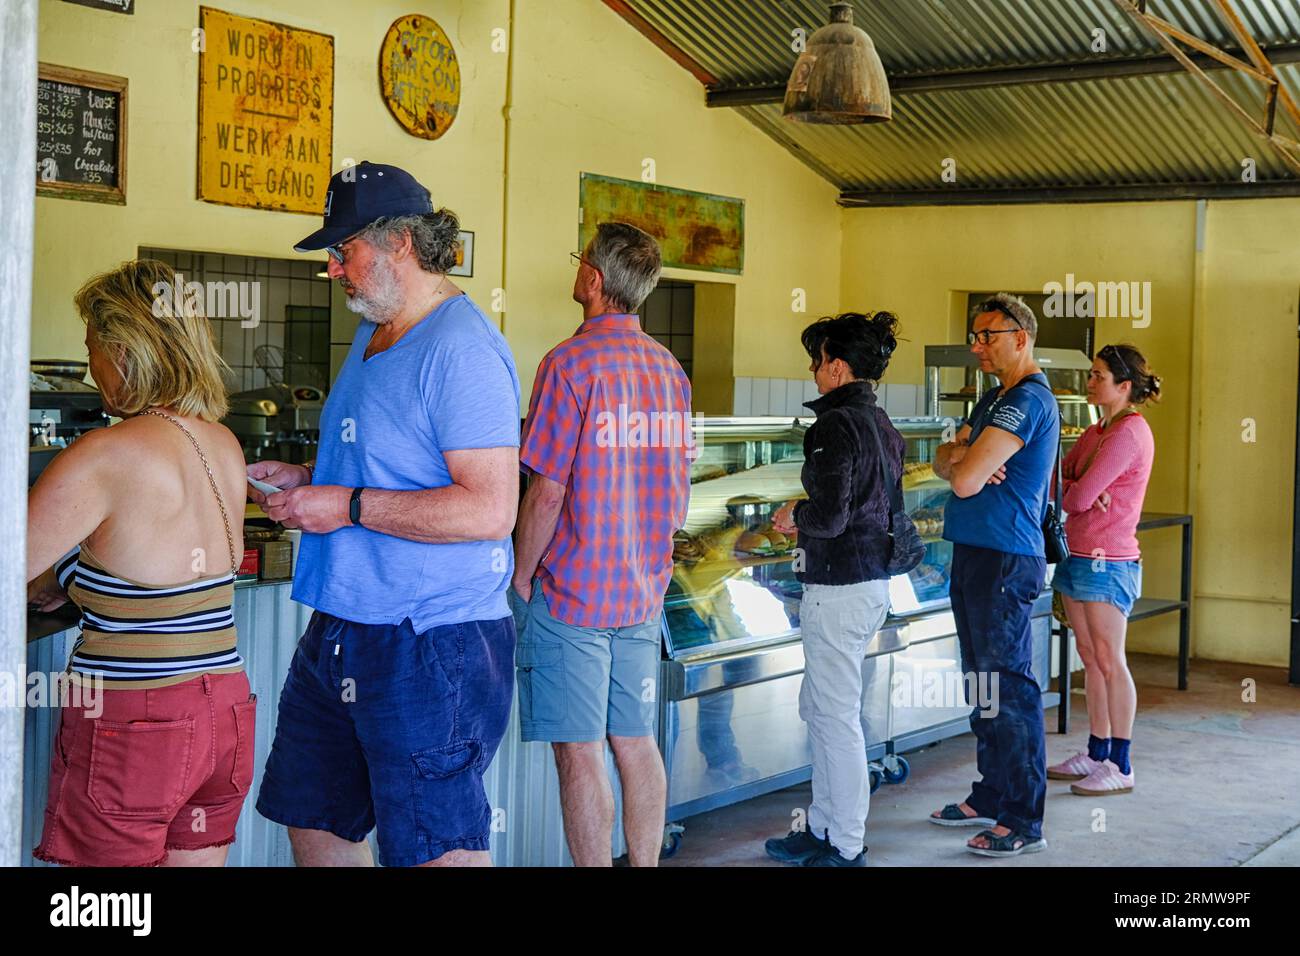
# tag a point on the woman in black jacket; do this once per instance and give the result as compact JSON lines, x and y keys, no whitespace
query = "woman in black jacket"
{"x":843,"y":528}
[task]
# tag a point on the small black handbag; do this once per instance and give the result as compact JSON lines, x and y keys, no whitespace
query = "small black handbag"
{"x":1055,"y":545}
{"x":906,"y":547}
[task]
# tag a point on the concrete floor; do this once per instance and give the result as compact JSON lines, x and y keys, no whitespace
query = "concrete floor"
{"x":1217,"y":784}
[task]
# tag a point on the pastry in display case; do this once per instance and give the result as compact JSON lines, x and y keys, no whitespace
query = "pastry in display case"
{"x":733,"y":572}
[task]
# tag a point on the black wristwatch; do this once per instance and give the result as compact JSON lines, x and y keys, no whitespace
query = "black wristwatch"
{"x":354,"y":506}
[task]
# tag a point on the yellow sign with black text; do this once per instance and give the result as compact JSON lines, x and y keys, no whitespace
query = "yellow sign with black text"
{"x":266,"y":113}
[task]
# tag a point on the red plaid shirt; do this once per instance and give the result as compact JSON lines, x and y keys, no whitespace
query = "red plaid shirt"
{"x":610,"y":420}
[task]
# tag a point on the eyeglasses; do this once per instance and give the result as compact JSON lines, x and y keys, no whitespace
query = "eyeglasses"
{"x":984,"y":336}
{"x":336,"y":251}
{"x":578,"y":260}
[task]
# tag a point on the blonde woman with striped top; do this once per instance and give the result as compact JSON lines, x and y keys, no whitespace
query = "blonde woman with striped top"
{"x":141,"y":526}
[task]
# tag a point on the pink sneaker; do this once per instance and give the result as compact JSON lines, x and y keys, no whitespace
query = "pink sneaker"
{"x":1105,"y":781}
{"x":1076,"y":768}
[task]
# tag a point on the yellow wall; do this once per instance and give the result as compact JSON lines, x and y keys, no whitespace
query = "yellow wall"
{"x":1222,"y":334}
{"x":1250,"y":301}
{"x":593,"y":95}
{"x":152,"y":48}
{"x":590,"y":94}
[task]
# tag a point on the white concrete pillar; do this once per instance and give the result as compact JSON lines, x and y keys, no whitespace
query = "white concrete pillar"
{"x":17,"y":208}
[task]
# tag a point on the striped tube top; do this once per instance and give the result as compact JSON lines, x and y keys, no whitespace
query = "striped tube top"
{"x":141,"y":636}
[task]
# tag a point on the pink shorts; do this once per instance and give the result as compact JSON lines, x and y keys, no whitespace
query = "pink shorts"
{"x":157,"y":770}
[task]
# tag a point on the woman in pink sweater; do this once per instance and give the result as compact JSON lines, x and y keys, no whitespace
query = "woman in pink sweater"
{"x":1106,"y":477}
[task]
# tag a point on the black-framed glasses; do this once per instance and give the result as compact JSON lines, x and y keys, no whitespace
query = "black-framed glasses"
{"x":1010,"y":315}
{"x":984,"y":336}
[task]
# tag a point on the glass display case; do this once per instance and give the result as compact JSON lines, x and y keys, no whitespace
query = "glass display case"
{"x":954,"y":383}
{"x":734,"y":578}
{"x":729,"y":726}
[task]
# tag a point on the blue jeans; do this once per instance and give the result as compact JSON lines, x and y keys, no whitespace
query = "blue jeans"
{"x":993,"y":595}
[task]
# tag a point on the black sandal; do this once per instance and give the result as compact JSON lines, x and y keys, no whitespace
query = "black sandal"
{"x":951,"y":816}
{"x":1012,"y":844}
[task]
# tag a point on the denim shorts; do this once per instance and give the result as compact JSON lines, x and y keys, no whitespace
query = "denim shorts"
{"x":382,"y":727}
{"x":581,"y":684}
{"x":1095,"y":579}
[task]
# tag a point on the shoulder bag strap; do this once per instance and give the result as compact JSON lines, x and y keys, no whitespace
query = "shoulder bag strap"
{"x":1060,"y":479}
{"x":894,"y":494}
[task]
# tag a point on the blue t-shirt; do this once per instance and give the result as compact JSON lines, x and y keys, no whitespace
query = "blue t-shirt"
{"x":448,"y":384}
{"x":1009,"y":517}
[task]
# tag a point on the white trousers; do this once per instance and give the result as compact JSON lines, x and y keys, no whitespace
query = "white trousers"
{"x":837,"y":623}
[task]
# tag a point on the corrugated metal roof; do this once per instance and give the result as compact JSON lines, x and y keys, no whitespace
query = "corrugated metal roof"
{"x":1148,"y":129}
{"x":1156,"y":129}
{"x":749,"y":42}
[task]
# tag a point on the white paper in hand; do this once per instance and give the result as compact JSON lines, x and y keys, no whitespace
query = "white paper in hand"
{"x":263,"y":487}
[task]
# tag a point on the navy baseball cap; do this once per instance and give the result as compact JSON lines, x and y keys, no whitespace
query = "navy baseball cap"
{"x":360,"y":194}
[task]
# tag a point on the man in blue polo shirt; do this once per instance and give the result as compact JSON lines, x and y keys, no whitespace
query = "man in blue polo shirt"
{"x":1000,"y":466}
{"x":401,"y":687}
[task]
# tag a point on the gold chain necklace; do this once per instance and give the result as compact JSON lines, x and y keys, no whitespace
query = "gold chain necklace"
{"x":225,"y":518}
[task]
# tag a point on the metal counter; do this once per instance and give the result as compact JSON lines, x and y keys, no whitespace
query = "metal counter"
{"x":730,"y":726}
{"x":521,"y":782}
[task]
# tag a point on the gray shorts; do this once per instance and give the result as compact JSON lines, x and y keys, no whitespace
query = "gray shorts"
{"x":582,"y":683}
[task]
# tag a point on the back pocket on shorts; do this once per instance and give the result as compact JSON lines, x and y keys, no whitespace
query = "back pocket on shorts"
{"x":542,"y":685}
{"x":142,"y":767}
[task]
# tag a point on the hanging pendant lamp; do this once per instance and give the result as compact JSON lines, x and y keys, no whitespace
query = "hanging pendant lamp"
{"x":839,"y":77}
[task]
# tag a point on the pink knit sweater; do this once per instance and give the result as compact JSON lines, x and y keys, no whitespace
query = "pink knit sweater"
{"x":1122,"y":467}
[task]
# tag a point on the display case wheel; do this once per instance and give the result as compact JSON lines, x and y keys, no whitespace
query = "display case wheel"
{"x":898,"y":773}
{"x":876,"y":777}
{"x":672,"y":843}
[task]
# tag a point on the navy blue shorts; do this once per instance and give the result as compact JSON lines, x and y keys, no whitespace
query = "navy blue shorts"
{"x":382,"y":727}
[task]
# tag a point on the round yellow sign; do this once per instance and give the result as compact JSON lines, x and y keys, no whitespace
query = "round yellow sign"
{"x":419,"y":76}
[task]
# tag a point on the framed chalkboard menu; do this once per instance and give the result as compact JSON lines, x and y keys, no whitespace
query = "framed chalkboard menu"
{"x":80,"y":135}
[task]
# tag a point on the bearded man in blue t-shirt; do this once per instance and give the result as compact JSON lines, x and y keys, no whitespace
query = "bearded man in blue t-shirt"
{"x":401,"y":687}
{"x":1000,"y":467}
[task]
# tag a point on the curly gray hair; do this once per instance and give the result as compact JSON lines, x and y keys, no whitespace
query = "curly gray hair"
{"x":435,"y":236}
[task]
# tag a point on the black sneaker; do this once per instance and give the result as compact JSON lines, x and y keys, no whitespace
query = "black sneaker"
{"x":798,"y":847}
{"x":829,"y":856}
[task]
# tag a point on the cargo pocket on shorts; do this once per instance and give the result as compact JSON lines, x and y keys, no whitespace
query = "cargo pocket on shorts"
{"x":140,"y":768}
{"x":447,"y":790}
{"x":241,"y":774}
{"x":541,"y":683}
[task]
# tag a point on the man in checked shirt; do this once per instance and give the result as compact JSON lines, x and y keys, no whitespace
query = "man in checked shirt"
{"x":607,"y":448}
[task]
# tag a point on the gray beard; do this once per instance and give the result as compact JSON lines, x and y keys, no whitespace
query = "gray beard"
{"x":383,"y":302}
